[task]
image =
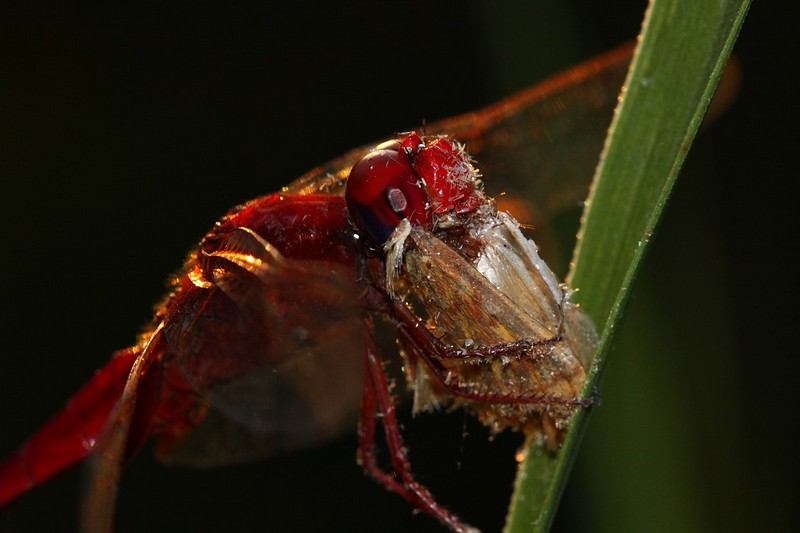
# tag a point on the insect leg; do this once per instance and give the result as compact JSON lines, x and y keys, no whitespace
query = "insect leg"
{"x":440,"y":350}
{"x":377,"y":403}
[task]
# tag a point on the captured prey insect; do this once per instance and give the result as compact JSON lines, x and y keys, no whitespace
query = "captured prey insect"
{"x":267,"y":340}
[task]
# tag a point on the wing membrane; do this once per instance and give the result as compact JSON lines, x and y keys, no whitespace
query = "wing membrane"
{"x":282,"y":366}
{"x":541,"y":144}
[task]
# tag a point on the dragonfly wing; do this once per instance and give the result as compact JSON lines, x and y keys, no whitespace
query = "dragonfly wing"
{"x":274,"y":349}
{"x":540,"y":145}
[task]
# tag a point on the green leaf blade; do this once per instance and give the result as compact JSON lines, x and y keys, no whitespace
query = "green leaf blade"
{"x":681,"y":55}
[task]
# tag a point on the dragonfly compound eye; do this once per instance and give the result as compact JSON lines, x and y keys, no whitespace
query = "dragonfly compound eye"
{"x":382,"y":190}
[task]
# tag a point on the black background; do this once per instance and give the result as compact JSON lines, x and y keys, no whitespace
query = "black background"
{"x":125,"y":132}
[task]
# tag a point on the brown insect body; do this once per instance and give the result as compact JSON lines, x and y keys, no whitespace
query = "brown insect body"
{"x":519,"y":348}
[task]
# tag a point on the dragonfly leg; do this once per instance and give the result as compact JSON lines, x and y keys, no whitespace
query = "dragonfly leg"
{"x":377,"y":403}
{"x":441,"y":350}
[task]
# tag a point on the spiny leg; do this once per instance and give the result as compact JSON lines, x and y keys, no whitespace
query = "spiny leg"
{"x":377,"y":403}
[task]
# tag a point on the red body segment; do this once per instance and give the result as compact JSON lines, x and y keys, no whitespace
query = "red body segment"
{"x":312,"y":226}
{"x":69,"y":436}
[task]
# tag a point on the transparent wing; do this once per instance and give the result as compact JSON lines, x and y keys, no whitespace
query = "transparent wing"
{"x":541,"y":144}
{"x":273,"y":346}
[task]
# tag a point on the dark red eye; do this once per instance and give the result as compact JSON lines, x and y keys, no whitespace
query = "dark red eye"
{"x":382,"y":190}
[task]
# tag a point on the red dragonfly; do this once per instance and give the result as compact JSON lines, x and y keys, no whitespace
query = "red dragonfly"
{"x":267,"y":340}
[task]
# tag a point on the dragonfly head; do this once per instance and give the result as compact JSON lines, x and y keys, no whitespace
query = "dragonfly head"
{"x":411,"y":178}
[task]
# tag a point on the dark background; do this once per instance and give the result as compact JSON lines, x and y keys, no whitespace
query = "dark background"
{"x":124,"y":133}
